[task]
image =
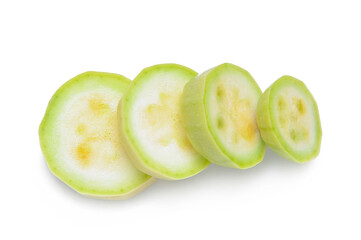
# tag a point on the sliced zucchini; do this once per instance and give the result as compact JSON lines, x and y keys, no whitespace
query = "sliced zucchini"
{"x":80,"y":142}
{"x":151,"y":126}
{"x":288,"y":118}
{"x":219,"y":113}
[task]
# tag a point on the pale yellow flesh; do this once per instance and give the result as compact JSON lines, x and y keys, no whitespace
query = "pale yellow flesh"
{"x":92,"y":122}
{"x":233,"y":114}
{"x":91,"y":148}
{"x":231,"y":104}
{"x":295,"y":119}
{"x":164,"y":120}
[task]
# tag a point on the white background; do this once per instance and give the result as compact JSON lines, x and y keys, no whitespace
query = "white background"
{"x":45,"y":43}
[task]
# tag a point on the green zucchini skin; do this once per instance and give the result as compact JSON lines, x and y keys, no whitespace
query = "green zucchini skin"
{"x":52,"y":144}
{"x":197,"y":123}
{"x":271,"y":132}
{"x":141,"y":158}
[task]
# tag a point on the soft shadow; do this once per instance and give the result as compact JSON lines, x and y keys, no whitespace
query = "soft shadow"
{"x":217,"y":176}
{"x":213,"y":175}
{"x":73,"y":195}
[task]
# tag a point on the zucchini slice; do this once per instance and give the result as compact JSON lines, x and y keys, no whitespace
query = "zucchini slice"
{"x":151,"y":126}
{"x":219,"y":112}
{"x":80,"y":142}
{"x":288,"y":118}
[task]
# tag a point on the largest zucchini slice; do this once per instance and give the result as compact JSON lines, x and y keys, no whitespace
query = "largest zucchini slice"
{"x":80,"y":142}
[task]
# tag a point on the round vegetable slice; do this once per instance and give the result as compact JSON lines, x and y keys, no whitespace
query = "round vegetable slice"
{"x":80,"y":142}
{"x":151,"y":126}
{"x":288,"y":118}
{"x":219,"y":113}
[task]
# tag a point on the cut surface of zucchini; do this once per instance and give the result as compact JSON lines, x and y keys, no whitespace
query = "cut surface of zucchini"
{"x":219,"y":112}
{"x":151,"y":127}
{"x":80,"y":142}
{"x":288,"y":118}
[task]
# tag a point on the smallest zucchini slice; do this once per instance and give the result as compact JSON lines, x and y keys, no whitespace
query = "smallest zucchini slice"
{"x":288,"y":119}
{"x":219,"y":115}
